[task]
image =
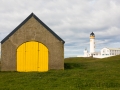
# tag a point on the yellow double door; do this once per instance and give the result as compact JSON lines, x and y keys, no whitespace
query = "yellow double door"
{"x":32,"y":56}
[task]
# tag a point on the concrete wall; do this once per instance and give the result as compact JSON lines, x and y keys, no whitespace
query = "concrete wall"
{"x":32,"y":30}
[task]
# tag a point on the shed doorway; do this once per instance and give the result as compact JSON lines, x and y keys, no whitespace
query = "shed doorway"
{"x":32,"y":56}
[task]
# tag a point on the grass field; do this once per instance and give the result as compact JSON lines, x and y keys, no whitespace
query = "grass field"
{"x":79,"y":74}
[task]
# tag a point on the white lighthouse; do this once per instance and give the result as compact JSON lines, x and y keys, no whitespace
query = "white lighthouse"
{"x":92,"y":43}
{"x":104,"y":53}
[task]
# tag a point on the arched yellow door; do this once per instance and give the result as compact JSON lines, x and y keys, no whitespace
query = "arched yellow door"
{"x":32,"y":56}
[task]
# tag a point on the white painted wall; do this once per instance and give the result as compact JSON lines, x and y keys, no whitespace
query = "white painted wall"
{"x":85,"y":53}
{"x":105,"y":52}
{"x":92,"y":45}
{"x":110,"y":51}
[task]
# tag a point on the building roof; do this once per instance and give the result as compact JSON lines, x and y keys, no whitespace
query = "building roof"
{"x":112,"y":48}
{"x":32,"y":15}
{"x":92,"y":34}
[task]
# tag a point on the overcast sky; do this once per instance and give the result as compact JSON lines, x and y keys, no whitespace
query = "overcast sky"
{"x":72,"y":20}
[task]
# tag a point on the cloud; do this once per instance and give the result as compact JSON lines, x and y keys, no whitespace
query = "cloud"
{"x":72,"y":20}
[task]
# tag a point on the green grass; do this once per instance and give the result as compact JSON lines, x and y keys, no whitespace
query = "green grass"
{"x":79,"y":74}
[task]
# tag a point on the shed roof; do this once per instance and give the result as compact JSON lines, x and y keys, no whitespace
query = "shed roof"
{"x":32,"y":15}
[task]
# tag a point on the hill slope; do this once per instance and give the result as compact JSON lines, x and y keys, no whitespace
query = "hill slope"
{"x":97,"y":73}
{"x":79,"y":74}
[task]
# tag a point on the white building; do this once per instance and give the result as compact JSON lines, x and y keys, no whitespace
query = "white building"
{"x":105,"y":52}
{"x":110,"y":51}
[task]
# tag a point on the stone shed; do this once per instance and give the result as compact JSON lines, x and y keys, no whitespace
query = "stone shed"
{"x":32,"y":46}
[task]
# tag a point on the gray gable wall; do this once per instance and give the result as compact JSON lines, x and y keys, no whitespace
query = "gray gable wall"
{"x":32,"y":29}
